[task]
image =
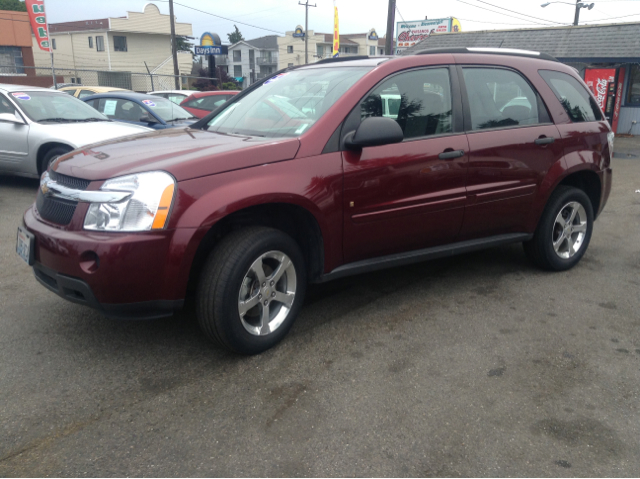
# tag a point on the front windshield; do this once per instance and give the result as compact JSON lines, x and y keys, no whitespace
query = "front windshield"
{"x":43,"y":106}
{"x":167,"y":110}
{"x":288,"y":104}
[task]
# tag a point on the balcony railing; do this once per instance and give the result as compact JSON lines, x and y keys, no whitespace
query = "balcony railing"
{"x":267,"y":60}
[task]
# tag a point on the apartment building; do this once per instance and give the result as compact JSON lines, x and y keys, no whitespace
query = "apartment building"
{"x":251,"y":60}
{"x":132,"y":43}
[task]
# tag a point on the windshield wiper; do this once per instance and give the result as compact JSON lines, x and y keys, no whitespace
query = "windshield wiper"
{"x":93,"y":119}
{"x":54,"y":119}
{"x":177,"y":119}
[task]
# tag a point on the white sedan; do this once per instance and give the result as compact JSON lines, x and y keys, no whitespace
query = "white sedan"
{"x":39,"y":124}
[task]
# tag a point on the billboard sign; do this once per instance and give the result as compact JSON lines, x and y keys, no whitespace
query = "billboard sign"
{"x":410,"y":33}
{"x":298,"y":32}
{"x":336,"y":31}
{"x":38,"y":19}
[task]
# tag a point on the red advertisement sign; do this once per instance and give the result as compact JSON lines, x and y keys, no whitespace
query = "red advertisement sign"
{"x":616,"y":110}
{"x":598,"y":82}
{"x":35,"y":8}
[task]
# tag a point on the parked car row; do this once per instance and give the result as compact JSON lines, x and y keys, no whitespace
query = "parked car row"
{"x":39,"y":124}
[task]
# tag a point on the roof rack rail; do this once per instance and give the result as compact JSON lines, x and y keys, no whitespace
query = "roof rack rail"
{"x":490,"y":51}
{"x":343,"y":59}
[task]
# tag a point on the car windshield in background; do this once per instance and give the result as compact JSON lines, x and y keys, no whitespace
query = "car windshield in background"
{"x":44,"y":106}
{"x":167,"y":110}
{"x":288,"y":104}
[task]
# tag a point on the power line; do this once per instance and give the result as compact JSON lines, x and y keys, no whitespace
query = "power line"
{"x":500,"y":13}
{"x":494,"y":23}
{"x":224,"y":18}
{"x":518,"y":13}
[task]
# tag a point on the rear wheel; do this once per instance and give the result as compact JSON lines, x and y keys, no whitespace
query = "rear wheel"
{"x":251,"y":290}
{"x":564,"y":231}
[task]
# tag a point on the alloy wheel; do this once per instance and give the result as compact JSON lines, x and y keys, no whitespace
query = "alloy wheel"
{"x":569,"y":230}
{"x":267,"y":293}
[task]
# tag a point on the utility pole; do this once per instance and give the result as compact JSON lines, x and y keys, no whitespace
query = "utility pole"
{"x":174,"y":46}
{"x":306,"y":29}
{"x":391,"y":18}
{"x":577,"y":17}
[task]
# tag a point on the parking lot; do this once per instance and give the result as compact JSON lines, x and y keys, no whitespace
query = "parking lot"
{"x":479,"y":365}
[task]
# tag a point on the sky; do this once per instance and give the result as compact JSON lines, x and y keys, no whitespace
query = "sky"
{"x":269,"y":17}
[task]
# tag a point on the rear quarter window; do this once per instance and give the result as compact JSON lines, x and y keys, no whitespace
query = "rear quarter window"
{"x":573,"y":96}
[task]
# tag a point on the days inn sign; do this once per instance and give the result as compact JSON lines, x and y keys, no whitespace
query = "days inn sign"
{"x":210,"y":44}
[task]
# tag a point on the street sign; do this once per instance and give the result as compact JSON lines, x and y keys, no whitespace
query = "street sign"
{"x":211,"y":50}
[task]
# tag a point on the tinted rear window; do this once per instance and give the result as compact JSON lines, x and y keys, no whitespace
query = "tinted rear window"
{"x":574,"y":97}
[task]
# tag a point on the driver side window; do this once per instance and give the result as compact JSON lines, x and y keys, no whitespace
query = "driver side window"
{"x":419,"y":100}
{"x":6,"y":106}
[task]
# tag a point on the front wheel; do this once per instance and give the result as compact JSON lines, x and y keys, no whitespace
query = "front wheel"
{"x":251,"y":289}
{"x":52,"y":155}
{"x":564,"y":231}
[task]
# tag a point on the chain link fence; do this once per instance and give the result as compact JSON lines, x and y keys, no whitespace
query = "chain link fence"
{"x":139,"y":82}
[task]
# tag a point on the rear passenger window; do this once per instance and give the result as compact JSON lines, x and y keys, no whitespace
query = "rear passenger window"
{"x":420,"y":101}
{"x":500,"y":99}
{"x":573,"y":96}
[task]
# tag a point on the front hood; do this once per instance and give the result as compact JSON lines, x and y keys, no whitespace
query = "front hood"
{"x":185,"y":153}
{"x":80,"y":134}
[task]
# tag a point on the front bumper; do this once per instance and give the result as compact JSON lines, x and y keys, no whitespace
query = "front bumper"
{"x":128,"y":275}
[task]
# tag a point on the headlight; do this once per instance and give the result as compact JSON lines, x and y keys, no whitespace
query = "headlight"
{"x":147,"y":208}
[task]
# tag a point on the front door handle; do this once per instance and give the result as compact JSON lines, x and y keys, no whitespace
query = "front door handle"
{"x":544,"y":141}
{"x":451,"y":154}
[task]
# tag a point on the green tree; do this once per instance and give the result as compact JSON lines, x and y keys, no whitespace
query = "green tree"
{"x":235,"y":37}
{"x":15,"y":5}
{"x":182,"y":43}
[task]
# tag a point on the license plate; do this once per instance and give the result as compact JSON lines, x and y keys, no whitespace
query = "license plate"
{"x":25,"y":245}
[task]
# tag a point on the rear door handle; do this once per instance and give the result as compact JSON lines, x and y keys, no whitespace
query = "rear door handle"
{"x":544,"y":141}
{"x":450,"y":155}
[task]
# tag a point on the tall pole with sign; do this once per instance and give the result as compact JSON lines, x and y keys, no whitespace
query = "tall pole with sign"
{"x":391,"y":17}
{"x":336,"y":31}
{"x":306,"y":29}
{"x":174,"y":46}
{"x":38,"y":19}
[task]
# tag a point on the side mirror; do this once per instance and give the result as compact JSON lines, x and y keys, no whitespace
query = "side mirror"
{"x":148,"y":119}
{"x":374,"y":131}
{"x":12,"y":118}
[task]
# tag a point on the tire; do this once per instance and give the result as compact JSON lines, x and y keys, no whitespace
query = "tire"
{"x":230,"y":281}
{"x":51,"y":155}
{"x":555,"y":247}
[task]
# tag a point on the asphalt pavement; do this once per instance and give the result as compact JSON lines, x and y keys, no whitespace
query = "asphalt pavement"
{"x":479,"y":365}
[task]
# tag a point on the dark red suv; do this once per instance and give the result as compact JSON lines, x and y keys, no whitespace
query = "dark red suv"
{"x":323,"y":171}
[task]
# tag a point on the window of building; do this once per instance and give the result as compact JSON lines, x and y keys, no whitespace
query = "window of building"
{"x":120,"y":43}
{"x":382,"y":51}
{"x":237,"y":71}
{"x":237,"y":56}
{"x":372,"y":51}
{"x":90,"y":42}
{"x":499,"y":99}
{"x":320,"y":51}
{"x":11,"y":61}
{"x":100,"y":43}
{"x":420,"y":101}
{"x":289,"y":64}
{"x":53,"y":43}
{"x":633,"y":98}
{"x":575,"y":98}
{"x":290,"y":49}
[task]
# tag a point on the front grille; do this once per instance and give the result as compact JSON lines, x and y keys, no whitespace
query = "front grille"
{"x":69,"y":181}
{"x":54,"y":209}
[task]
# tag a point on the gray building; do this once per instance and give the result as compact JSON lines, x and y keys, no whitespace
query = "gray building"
{"x":251,"y":60}
{"x":607,"y":57}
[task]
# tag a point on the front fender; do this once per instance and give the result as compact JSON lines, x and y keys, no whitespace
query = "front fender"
{"x":313,"y":183}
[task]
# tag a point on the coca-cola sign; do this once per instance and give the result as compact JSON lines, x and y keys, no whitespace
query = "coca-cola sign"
{"x":598,"y":79}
